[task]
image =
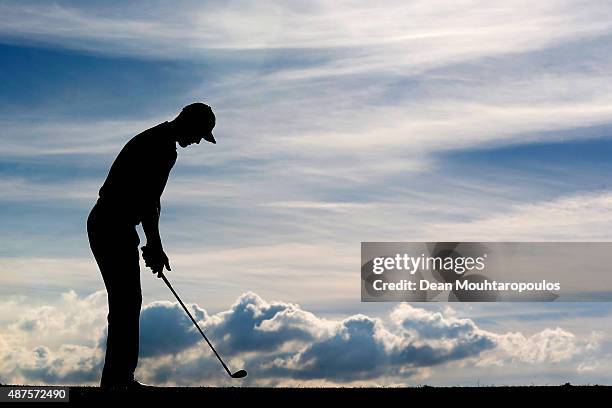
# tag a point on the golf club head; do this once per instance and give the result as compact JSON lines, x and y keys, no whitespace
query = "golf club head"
{"x":239,"y":374}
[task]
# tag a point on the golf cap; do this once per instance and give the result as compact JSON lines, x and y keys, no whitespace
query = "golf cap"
{"x":199,"y":115}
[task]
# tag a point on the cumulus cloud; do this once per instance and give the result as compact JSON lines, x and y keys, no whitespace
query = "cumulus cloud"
{"x":278,"y":342}
{"x":548,"y":346}
{"x":54,"y":344}
{"x":253,"y":324}
{"x":166,"y":329}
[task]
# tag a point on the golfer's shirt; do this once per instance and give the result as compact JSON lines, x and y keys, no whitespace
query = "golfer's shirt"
{"x":137,"y":178}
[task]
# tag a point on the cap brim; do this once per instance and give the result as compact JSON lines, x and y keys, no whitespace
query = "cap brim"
{"x":210,"y":138}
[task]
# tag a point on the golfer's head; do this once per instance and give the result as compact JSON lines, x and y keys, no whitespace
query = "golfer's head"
{"x":194,"y":123}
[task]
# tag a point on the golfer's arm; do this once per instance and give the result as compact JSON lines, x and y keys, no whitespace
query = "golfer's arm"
{"x":158,"y":178}
{"x":150,"y":225}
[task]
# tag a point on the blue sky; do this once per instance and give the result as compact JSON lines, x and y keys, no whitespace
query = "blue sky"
{"x":430,"y":121}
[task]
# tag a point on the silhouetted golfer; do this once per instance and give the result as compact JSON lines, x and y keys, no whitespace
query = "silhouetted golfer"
{"x":131,"y":195}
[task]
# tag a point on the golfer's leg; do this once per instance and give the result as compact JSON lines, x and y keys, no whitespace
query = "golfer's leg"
{"x":125,"y":299}
{"x":114,"y":371}
{"x":132,"y":312}
{"x":116,"y":252}
{"x":100,"y":241}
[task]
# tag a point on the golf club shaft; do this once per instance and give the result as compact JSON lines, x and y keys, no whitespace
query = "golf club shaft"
{"x":161,"y":275}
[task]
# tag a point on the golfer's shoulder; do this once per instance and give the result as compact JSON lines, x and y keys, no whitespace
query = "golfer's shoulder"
{"x":151,"y":136}
{"x":155,"y":142}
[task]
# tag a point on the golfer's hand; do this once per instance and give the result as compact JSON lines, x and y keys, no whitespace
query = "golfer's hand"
{"x":156,"y":259}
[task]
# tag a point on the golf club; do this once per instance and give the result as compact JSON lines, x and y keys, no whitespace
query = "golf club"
{"x":237,"y":374}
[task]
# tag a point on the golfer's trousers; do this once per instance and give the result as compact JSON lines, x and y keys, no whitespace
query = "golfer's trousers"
{"x":114,"y":243}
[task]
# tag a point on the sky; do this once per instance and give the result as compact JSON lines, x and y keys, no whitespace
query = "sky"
{"x":337,"y":123}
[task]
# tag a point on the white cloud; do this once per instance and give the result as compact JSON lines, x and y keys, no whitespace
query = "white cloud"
{"x":20,"y":189}
{"x":428,"y":31}
{"x":344,"y":125}
{"x":25,"y":137}
{"x":58,"y":343}
{"x":307,"y":253}
{"x":548,"y":346}
{"x":279,"y":343}
{"x":580,"y":217}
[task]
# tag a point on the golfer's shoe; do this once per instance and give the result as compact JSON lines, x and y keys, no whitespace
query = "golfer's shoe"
{"x":137,"y":385}
{"x":133,"y":385}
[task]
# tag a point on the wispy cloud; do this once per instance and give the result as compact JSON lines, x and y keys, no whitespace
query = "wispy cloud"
{"x":432,"y":31}
{"x":309,"y":249}
{"x":581,"y":218}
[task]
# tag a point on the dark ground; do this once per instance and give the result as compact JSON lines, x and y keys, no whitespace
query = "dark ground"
{"x":382,"y":397}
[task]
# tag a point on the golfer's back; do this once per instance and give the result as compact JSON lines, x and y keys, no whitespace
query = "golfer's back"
{"x":139,"y":174}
